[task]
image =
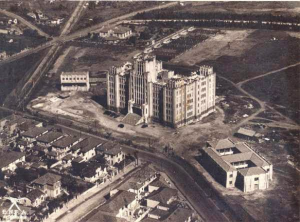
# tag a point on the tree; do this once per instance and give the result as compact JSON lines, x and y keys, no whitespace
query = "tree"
{"x":132,"y":40}
{"x":3,"y":192}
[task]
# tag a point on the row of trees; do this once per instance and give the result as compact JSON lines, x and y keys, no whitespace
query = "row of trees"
{"x":173,"y":14}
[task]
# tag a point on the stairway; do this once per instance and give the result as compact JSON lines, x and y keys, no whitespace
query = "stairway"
{"x":132,"y":119}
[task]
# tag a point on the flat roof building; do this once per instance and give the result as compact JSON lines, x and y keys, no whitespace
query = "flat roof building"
{"x":75,"y":81}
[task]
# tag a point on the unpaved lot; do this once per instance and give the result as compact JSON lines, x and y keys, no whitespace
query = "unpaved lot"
{"x":227,"y":42}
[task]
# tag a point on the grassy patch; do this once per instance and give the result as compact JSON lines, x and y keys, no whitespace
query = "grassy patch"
{"x":264,"y":57}
{"x":280,"y":89}
{"x":13,"y":72}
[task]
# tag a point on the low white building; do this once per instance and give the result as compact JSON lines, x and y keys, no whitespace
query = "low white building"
{"x":119,"y":32}
{"x":237,"y":165}
{"x":75,"y":81}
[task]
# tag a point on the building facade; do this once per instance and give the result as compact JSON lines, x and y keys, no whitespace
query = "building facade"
{"x":119,"y":32}
{"x":237,"y":165}
{"x":75,"y":81}
{"x":156,"y":94}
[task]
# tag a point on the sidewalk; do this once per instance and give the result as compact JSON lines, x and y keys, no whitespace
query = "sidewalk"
{"x":77,"y":208}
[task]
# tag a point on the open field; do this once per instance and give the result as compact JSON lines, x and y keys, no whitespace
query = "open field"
{"x":105,"y":10}
{"x":224,"y":42}
{"x":94,"y":58}
{"x":280,"y":89}
{"x":19,"y":43}
{"x":12,"y":73}
{"x":182,"y":44}
{"x":264,"y":56}
{"x":243,"y":7}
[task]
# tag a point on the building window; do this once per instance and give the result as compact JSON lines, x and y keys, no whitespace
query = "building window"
{"x":256,"y":178}
{"x":231,"y":175}
{"x":230,"y":182}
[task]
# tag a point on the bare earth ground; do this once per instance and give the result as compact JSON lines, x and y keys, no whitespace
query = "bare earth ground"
{"x":217,"y":46}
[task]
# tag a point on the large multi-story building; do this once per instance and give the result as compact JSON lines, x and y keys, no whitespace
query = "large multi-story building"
{"x":75,"y":81}
{"x":146,"y":89}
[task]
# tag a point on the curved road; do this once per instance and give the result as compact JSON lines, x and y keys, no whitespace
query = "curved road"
{"x":194,"y":190}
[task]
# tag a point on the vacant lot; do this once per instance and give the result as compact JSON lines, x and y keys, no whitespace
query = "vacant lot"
{"x":272,"y":50}
{"x":281,"y":89}
{"x":13,"y":43}
{"x":13,"y":72}
{"x":182,"y":44}
{"x":95,"y":58}
{"x":243,"y":7}
{"x":105,"y":10}
{"x":223,"y":42}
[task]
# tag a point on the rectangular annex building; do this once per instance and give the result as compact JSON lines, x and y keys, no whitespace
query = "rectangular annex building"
{"x":75,"y":81}
{"x":237,"y":165}
{"x":144,"y":88}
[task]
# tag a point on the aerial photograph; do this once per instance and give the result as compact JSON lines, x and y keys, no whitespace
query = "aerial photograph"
{"x":149,"y":111}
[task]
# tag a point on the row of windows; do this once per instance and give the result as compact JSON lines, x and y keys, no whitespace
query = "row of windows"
{"x":74,"y":78}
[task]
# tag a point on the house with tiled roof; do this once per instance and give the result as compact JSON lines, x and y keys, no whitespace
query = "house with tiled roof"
{"x":34,"y":198}
{"x":64,"y":144}
{"x":33,"y":133}
{"x":86,"y":148}
{"x":121,"y":205}
{"x":49,"y":138}
{"x":247,"y":134}
{"x":176,"y":215}
{"x":114,"y":155}
{"x":10,"y":159}
{"x":237,"y":165}
{"x":94,"y":171}
{"x":139,"y":182}
{"x":161,"y":198}
{"x":50,"y":184}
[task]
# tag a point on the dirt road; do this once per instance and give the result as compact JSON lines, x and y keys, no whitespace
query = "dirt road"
{"x":24,"y":21}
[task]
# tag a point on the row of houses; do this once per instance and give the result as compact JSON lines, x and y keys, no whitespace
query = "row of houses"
{"x":143,"y":197}
{"x":34,"y":146}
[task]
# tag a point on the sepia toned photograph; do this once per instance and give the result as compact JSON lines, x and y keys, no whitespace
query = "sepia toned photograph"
{"x":149,"y":111}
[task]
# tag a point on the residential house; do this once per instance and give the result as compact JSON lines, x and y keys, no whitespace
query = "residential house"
{"x":63,"y":145}
{"x":49,"y":138}
{"x":247,"y":134}
{"x":57,"y":21}
{"x":178,"y":214}
{"x":138,"y":183}
{"x":86,"y":148}
{"x":121,"y":205}
{"x":32,"y":15}
{"x":161,"y":198}
{"x":94,"y":171}
{"x":33,"y":133}
{"x":34,"y":198}
{"x":10,"y":159}
{"x":114,"y":155}
{"x":49,"y":183}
